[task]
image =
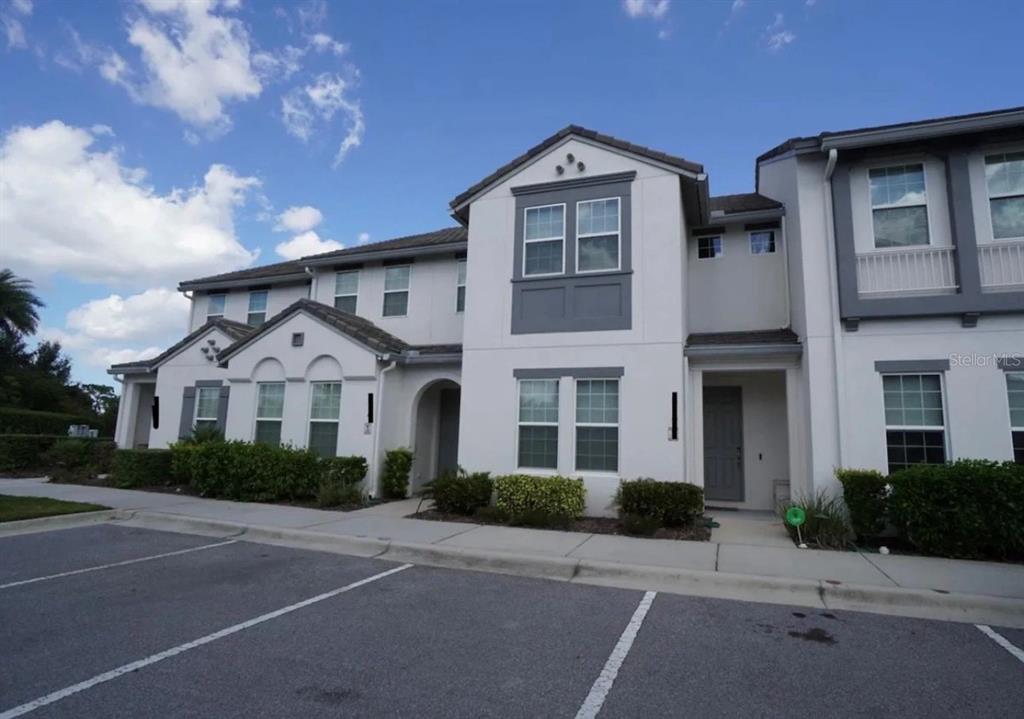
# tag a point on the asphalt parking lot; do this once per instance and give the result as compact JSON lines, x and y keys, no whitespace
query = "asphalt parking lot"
{"x":216,"y":628}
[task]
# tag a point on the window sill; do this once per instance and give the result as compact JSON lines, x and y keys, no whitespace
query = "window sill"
{"x":571,"y":276}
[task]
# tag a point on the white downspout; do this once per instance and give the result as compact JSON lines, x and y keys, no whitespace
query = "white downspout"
{"x":785,"y":274}
{"x":837,"y":332}
{"x":377,"y":421}
{"x":312,"y":282}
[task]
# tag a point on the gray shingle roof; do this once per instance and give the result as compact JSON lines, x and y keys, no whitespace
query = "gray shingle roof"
{"x":449,"y":235}
{"x":757,"y":337}
{"x":543,"y":146}
{"x":745,"y":202}
{"x":234,"y":330}
{"x":277,"y":269}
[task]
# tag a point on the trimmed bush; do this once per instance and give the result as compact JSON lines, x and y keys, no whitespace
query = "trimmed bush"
{"x":970,"y":508}
{"x":71,"y":459}
{"x":332,"y":493}
{"x":29,"y":421}
{"x":867,"y":497}
{"x":394,"y":481}
{"x":462,"y":492}
{"x":827,"y":524}
{"x":247,"y":472}
{"x":199,"y":435}
{"x":141,"y":468}
{"x":518,"y":494}
{"x":24,"y":451}
{"x":344,"y":470}
{"x":670,"y":504}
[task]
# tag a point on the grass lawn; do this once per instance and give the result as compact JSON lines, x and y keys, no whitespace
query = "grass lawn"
{"x":15,"y":508}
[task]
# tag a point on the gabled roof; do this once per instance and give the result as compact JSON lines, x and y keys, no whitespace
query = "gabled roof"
{"x":234,"y":330}
{"x":449,"y":236}
{"x":745,"y":202}
{"x":575,"y":130}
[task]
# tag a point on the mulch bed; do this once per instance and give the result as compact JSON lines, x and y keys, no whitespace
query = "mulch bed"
{"x":588,"y":525}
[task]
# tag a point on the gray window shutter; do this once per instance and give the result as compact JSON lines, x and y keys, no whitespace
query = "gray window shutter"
{"x":188,"y":411}
{"x":222,"y":409}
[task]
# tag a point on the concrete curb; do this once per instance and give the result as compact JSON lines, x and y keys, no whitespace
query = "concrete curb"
{"x":61,"y":521}
{"x":924,"y":604}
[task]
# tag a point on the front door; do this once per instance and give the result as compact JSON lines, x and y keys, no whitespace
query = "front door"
{"x":723,"y":443}
{"x":448,"y":432}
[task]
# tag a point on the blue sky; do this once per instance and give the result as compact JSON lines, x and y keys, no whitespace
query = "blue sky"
{"x":150,"y":141}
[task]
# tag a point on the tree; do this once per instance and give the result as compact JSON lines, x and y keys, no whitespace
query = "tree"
{"x":19,"y":305}
{"x":48,"y":359}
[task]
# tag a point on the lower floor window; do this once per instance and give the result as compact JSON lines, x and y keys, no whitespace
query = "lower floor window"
{"x":538,"y":423}
{"x":1015,"y":390}
{"x":597,"y":425}
{"x":269,"y":412}
{"x":207,"y":406}
{"x":324,"y":415}
{"x":915,"y":427}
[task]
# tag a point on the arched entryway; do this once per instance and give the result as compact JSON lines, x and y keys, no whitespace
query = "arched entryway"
{"x":436,"y":432}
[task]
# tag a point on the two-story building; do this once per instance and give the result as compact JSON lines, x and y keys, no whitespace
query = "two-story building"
{"x":598,"y":313}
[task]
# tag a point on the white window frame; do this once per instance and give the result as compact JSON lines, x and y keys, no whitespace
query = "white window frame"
{"x":988,"y":192}
{"x":195,"y":410}
{"x":775,"y":242}
{"x":579,"y":236}
{"x":407,"y":291}
{"x":944,"y":428}
{"x":721,"y":247}
{"x":873,"y":207}
{"x":617,"y":425}
{"x":309,"y":414}
{"x":1013,"y":428}
{"x":520,"y":424}
{"x":460,"y":283}
{"x":256,"y":410}
{"x":350,"y":294}
{"x":266,"y":305}
{"x":224,"y":307}
{"x":561,"y":239}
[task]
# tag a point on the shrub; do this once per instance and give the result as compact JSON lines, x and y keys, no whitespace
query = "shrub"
{"x":24,"y":451}
{"x":827,"y":524}
{"x":539,"y":519}
{"x":639,"y":525}
{"x":671,"y":504}
{"x":28,"y":421}
{"x":491,"y":513}
{"x":867,"y":498}
{"x":201,"y":435}
{"x":344,"y":470}
{"x":247,"y":472}
{"x":75,"y":459}
{"x":557,"y":496}
{"x":970,"y":508}
{"x":461,"y":492}
{"x":141,"y":467}
{"x":394,"y":481}
{"x":332,"y":493}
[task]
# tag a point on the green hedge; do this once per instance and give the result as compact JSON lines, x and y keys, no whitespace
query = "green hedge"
{"x":462,"y":492}
{"x":672,"y":504}
{"x":394,"y":481}
{"x":969,"y":508}
{"x":141,"y":467}
{"x":70,"y":458}
{"x":521,"y":494}
{"x":247,"y":472}
{"x":344,"y":470}
{"x":866,"y":494}
{"x":28,"y":421}
{"x":24,"y":451}
{"x":21,"y":452}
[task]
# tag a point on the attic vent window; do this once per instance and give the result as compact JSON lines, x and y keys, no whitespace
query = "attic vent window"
{"x":298,"y":339}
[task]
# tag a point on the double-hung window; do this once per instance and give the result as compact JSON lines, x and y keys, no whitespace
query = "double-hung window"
{"x":396,"y":290}
{"x":708,"y":248}
{"x":538,"y":423}
{"x":598,"y":234}
{"x":269,"y":412}
{"x":257,"y":308}
{"x":215,"y":306}
{"x":597,"y":425}
{"x":460,"y":286}
{"x":915,"y":425}
{"x":544,"y":241}
{"x":1004,"y":175}
{"x":346,"y":291}
{"x":324,"y":415}
{"x":762,"y":242}
{"x":1015,"y":389}
{"x":899,"y":206}
{"x":207,"y":407}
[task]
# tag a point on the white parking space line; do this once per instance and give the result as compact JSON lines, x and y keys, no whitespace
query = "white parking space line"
{"x":1002,"y":641}
{"x":181,"y":648}
{"x":150,"y":558}
{"x":603,"y":684}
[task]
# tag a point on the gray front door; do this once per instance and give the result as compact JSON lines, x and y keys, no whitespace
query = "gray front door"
{"x":723,"y":443}
{"x":448,"y":431}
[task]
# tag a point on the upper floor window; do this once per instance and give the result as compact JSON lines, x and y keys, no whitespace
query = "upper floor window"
{"x":762,"y":242}
{"x":257,"y":308}
{"x":1004,"y":175}
{"x":346,"y":291}
{"x":709,"y":248}
{"x":597,"y":235}
{"x":396,"y":290}
{"x":899,"y":206}
{"x":215,"y":306}
{"x":544,"y":241}
{"x":460,"y":286}
{"x":1015,"y":390}
{"x":915,"y":426}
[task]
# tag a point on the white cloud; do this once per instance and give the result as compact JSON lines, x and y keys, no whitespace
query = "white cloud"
{"x":299,"y":219}
{"x":304,"y":107}
{"x":149,"y":315}
{"x":322,"y":42}
{"x":364,"y":237}
{"x":308,"y":243}
{"x":776,"y":34}
{"x":656,"y":9}
{"x":12,"y":16}
{"x":68,"y":207}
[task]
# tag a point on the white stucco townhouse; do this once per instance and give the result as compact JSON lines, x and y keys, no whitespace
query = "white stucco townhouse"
{"x":598,"y":313}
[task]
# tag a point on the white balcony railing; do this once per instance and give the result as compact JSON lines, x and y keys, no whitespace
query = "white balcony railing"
{"x":1002,"y":265}
{"x":910,"y":271}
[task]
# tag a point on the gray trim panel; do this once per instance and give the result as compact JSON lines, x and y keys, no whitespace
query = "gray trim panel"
{"x":743,"y":351}
{"x":578,"y":372}
{"x":924,"y":365}
{"x":561,"y":185}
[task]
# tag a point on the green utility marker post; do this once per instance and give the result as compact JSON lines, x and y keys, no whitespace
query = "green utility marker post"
{"x":796,"y":516}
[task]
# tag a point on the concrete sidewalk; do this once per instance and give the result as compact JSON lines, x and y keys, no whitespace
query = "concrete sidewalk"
{"x":771,"y":570}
